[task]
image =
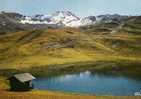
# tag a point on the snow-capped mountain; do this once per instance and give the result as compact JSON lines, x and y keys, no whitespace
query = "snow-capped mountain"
{"x":12,"y":21}
{"x":62,"y":18}
{"x":90,"y":20}
{"x":58,"y":19}
{"x":67,"y":18}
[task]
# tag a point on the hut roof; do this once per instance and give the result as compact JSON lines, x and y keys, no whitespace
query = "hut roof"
{"x":24,"y":77}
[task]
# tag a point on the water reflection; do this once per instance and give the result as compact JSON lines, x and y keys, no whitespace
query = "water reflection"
{"x":90,"y":83}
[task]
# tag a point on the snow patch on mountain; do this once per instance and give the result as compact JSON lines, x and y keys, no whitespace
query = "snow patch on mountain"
{"x":68,"y":19}
{"x":65,"y":18}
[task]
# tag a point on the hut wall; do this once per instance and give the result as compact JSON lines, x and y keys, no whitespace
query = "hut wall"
{"x":19,"y":86}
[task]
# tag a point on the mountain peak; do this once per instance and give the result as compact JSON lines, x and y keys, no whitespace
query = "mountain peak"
{"x":67,"y":18}
{"x":65,"y":14}
{"x":68,"y":13}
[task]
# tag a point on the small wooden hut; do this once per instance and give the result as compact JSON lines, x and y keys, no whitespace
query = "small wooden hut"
{"x":21,"y":82}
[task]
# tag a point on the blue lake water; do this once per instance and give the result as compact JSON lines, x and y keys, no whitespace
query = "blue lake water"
{"x":88,"y":83}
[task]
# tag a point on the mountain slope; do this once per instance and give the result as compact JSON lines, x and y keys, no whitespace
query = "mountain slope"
{"x":24,"y":45}
{"x":66,"y":45}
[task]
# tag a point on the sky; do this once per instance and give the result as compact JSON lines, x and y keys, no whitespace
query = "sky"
{"x":80,"y":7}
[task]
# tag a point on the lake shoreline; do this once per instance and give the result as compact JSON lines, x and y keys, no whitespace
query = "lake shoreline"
{"x":124,"y":68}
{"x":121,"y":68}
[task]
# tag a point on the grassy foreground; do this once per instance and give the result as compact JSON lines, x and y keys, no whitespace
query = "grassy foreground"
{"x":53,"y":95}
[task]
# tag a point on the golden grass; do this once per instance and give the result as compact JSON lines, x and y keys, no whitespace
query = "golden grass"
{"x":53,"y":95}
{"x":67,"y":56}
{"x":3,"y":83}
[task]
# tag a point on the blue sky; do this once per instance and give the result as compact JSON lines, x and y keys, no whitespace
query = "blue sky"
{"x":79,"y":7}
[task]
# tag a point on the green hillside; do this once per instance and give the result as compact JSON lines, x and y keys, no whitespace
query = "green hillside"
{"x":59,"y":46}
